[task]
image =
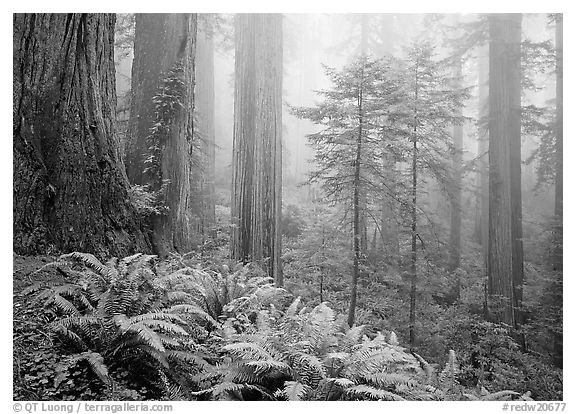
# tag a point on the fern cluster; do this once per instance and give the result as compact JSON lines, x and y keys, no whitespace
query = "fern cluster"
{"x":180,"y":332}
{"x":309,"y":354}
{"x":119,"y":318}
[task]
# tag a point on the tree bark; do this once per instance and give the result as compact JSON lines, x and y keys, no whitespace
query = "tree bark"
{"x":456,"y":196}
{"x":164,"y":46}
{"x":205,"y":110}
{"x":414,"y":234}
{"x":505,"y":258}
{"x":481,"y":224}
{"x":257,"y":154}
{"x":558,"y":195}
{"x":414,"y":217}
{"x":358,"y":205}
{"x":70,"y":188}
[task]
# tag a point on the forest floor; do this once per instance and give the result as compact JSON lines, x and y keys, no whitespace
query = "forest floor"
{"x":33,"y":345}
{"x":316,"y":268}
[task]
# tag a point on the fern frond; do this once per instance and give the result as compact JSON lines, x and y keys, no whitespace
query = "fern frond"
{"x":428,"y":369}
{"x":62,"y":304}
{"x":351,"y":337}
{"x":192,"y":310}
{"x":308,"y":368}
{"x":81,"y":322}
{"x":341,"y":382}
{"x":70,"y":335}
{"x":91,"y":262}
{"x":155,"y":354}
{"x":295,"y":391}
{"x":147,"y":336}
{"x":385,"y":379}
{"x":225,"y":388}
{"x":165,"y":326}
{"x":373,"y":393}
{"x":248,"y":350}
{"x":35,"y":287}
{"x":293,"y":308}
{"x":187,"y":357}
{"x":94,"y":360}
{"x":261,"y":367}
{"x":243,"y":374}
{"x":160,"y":316}
{"x":179,"y":297}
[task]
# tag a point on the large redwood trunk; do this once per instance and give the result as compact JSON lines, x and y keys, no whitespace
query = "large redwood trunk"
{"x":257,"y":154}
{"x":558,"y":189}
{"x":70,"y":189}
{"x":164,"y":48}
{"x":204,"y":105}
{"x":505,"y":258}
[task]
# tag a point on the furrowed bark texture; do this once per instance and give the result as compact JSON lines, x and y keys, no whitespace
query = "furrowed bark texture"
{"x":70,"y":188}
{"x":505,"y":257}
{"x":257,"y":154}
{"x":162,"y":43}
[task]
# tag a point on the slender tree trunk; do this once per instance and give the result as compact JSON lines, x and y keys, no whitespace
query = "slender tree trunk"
{"x":414,"y":255}
{"x":357,"y":207}
{"x":558,"y":195}
{"x":414,"y":218}
{"x":164,"y":47}
{"x":257,"y":154}
{"x":481,"y":224}
{"x":505,"y":245}
{"x":204,"y":104}
{"x":70,"y":188}
{"x":365,"y":19}
{"x":388,"y":224}
{"x":516,"y":168}
{"x":456,"y":196}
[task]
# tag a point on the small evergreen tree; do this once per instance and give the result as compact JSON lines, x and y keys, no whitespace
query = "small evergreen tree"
{"x":431,"y":103}
{"x":349,"y":146}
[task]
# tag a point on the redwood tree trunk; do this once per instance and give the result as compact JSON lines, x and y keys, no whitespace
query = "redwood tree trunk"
{"x":70,"y":188}
{"x":481,"y":225}
{"x":164,"y":46}
{"x":558,"y":196}
{"x":505,"y":219}
{"x":257,"y":154}
{"x":205,"y":110}
{"x":456,"y":196}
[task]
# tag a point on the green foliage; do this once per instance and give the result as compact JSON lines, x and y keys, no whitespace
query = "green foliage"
{"x":491,"y":359}
{"x":168,"y":102}
{"x":309,"y":354}
{"x":137,"y":329}
{"x":124,"y":34}
{"x":121,"y":322}
{"x":147,"y":202}
{"x":292,"y":221}
{"x":315,"y":263}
